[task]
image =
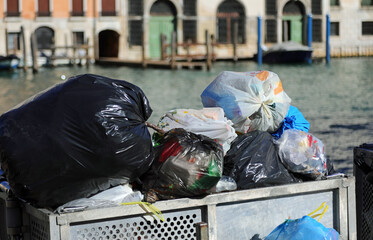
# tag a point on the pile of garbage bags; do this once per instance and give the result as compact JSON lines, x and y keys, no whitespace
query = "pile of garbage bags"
{"x":90,"y":135}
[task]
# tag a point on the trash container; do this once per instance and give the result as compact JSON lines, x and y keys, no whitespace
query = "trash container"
{"x":363,"y":171}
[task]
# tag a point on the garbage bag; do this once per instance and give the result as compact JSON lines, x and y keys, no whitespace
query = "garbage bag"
{"x":303,"y":153}
{"x":76,"y":139}
{"x":253,"y":162}
{"x":252,"y":100}
{"x":210,"y":122}
{"x":108,"y":198}
{"x":305,"y":228}
{"x":294,"y":120}
{"x":185,"y":165}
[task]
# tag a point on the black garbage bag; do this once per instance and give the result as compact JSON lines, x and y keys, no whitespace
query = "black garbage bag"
{"x":76,"y":139}
{"x":253,"y":161}
{"x":185,"y":165}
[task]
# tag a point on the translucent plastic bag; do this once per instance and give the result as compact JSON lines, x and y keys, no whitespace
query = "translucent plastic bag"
{"x":108,"y":198}
{"x":210,"y":122}
{"x":252,"y":100}
{"x":186,"y":165}
{"x":303,"y":153}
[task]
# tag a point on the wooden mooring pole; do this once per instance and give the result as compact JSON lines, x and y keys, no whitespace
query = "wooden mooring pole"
{"x":235,"y":38}
{"x":24,"y":49}
{"x":34,"y":53}
{"x":173,"y":50}
{"x":6,"y":42}
{"x":208,"y":55}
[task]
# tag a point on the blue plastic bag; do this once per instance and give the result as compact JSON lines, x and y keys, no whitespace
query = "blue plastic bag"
{"x":305,"y":228}
{"x":294,"y":120}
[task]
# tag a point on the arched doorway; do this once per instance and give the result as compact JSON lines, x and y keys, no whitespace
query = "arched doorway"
{"x":108,"y":43}
{"x":162,"y":21}
{"x":44,"y":37}
{"x":230,"y":13}
{"x":292,"y":22}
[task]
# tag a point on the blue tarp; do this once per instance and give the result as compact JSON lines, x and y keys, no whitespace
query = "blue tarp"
{"x":305,"y":228}
{"x":294,"y":120}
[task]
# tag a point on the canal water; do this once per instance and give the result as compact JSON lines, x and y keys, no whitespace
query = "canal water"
{"x":336,"y":98}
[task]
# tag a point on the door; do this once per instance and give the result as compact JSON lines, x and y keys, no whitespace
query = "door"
{"x":159,"y":25}
{"x":292,"y":28}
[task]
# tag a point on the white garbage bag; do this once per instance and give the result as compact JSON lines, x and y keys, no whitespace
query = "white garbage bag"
{"x":252,"y":100}
{"x":210,"y":122}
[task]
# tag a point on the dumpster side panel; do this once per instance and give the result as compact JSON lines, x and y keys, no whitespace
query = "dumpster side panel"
{"x":248,"y":220}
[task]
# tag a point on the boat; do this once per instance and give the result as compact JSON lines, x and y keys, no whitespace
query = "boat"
{"x":286,"y":52}
{"x":9,"y":62}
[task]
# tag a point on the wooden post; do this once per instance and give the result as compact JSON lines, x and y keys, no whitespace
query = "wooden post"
{"x":143,"y":51}
{"x":208,"y":55}
{"x":6,"y":42}
{"x":34,"y":53}
{"x":87,"y":58}
{"x":213,"y":57}
{"x":189,"y":42}
{"x":163,"y":43}
{"x":24,"y":49}
{"x":173,"y":50}
{"x":235,"y":38}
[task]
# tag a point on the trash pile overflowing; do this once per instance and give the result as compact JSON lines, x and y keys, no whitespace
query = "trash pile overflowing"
{"x":85,"y":143}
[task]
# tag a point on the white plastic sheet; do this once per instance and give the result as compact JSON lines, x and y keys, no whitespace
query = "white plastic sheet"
{"x":210,"y":122}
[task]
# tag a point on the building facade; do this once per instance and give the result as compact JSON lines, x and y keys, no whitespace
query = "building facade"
{"x":125,"y":29}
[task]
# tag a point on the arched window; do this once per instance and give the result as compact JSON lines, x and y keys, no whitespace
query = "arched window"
{"x":229,"y":14}
{"x":45,"y":37}
{"x":293,"y":27}
{"x":162,"y":22}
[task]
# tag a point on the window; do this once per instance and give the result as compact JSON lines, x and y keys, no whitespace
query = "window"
{"x":189,"y":30}
{"x":43,"y":8}
{"x":190,"y":8}
{"x":78,"y":38}
{"x":135,"y":22}
{"x":77,"y":8}
{"x":316,"y":7}
{"x":229,"y":14}
{"x":135,"y":34}
{"x":108,"y":8}
{"x":316,"y":30}
{"x":44,"y":37}
{"x":12,"y":8}
{"x":271,"y":30}
{"x":367,"y":3}
{"x":334,"y":2}
{"x":271,"y":7}
{"x":334,"y":29}
{"x":14,"y":41}
{"x":367,"y":28}
{"x":135,"y":7}
{"x":190,"y":23}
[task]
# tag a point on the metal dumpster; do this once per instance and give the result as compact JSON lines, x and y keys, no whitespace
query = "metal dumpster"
{"x":363,"y":171}
{"x":245,"y":214}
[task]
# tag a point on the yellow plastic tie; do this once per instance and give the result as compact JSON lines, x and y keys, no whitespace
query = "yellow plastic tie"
{"x":320,"y":215}
{"x":148,"y":206}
